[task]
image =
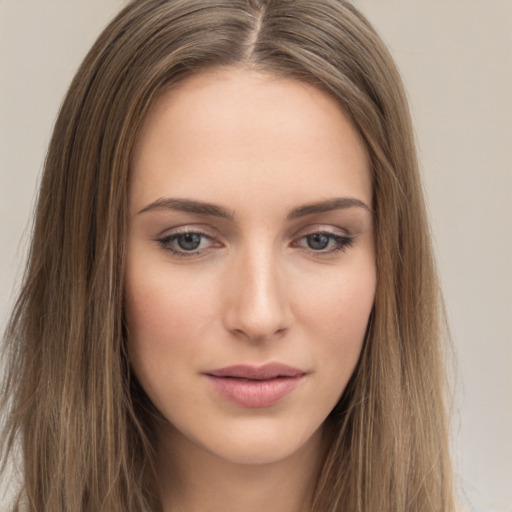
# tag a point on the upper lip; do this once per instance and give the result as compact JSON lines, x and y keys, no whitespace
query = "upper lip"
{"x":267,"y":371}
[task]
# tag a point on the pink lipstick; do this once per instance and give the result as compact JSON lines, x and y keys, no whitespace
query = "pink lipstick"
{"x":251,"y":386}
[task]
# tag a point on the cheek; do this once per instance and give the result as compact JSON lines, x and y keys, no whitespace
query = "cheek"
{"x":166,"y":320}
{"x":342,"y":303}
{"x":336,"y":318}
{"x":162,"y":300}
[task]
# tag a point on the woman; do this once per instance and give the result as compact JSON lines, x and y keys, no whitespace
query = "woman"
{"x":231,"y":302}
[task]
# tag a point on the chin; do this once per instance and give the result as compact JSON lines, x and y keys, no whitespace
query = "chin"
{"x":258,"y":442}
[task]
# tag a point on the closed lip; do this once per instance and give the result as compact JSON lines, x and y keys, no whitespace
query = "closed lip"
{"x":255,"y":386}
{"x":267,"y":371}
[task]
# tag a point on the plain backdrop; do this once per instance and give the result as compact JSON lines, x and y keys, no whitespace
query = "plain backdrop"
{"x":456,"y":60}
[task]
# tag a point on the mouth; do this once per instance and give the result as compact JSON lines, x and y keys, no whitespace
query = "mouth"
{"x":255,"y":387}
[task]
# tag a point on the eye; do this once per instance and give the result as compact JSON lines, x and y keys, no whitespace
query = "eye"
{"x":189,"y":241}
{"x":325,"y":242}
{"x":186,"y":243}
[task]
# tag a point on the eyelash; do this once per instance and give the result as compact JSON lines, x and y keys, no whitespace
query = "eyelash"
{"x":342,"y":243}
{"x":166,"y":241}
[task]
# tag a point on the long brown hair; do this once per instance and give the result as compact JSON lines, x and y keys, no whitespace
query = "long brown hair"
{"x":78,"y":416}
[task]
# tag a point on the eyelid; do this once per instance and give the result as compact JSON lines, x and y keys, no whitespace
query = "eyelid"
{"x":187,"y":228}
{"x":322,"y":228}
{"x":343,"y":240}
{"x":167,"y":236}
{"x":339,"y":237}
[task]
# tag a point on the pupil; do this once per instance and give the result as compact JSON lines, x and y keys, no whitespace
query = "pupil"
{"x":318,"y":241}
{"x":189,"y":241}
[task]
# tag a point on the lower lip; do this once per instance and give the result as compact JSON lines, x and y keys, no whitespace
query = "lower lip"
{"x":254,"y":393}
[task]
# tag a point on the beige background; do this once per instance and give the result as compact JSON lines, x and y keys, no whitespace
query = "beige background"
{"x":456,"y":58}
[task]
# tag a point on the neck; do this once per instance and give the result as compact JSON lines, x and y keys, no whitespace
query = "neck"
{"x":192,"y":479}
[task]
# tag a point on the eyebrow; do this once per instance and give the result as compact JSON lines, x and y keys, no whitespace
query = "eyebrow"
{"x":339,"y":203}
{"x":189,"y":206}
{"x":201,"y":208}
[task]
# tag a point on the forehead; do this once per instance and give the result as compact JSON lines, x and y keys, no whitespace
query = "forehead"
{"x":232,"y":132}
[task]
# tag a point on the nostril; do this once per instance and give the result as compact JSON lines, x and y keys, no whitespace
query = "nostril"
{"x":259,"y":337}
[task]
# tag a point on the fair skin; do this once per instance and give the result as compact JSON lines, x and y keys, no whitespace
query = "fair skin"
{"x":260,"y":277}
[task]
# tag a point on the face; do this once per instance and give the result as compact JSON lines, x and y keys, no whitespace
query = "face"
{"x":250,"y":262}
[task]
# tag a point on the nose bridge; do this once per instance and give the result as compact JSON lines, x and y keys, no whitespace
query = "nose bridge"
{"x":258,"y":305}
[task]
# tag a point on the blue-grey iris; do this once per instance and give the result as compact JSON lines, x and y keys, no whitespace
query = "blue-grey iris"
{"x":318,"y":241}
{"x":189,"y":241}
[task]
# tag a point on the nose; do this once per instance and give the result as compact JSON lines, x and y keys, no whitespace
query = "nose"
{"x":257,"y":308}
